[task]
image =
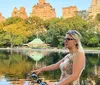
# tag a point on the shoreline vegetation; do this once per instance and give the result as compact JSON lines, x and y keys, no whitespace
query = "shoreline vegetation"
{"x":87,"y":50}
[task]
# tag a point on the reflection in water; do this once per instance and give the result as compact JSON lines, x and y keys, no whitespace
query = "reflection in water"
{"x":36,"y":56}
{"x":14,"y":67}
{"x":3,"y":81}
{"x":19,"y":82}
{"x":91,"y":72}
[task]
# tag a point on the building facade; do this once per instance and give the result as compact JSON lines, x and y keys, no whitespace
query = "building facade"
{"x":2,"y":19}
{"x":94,"y":9}
{"x":43,"y":10}
{"x":19,"y":13}
{"x":68,"y":12}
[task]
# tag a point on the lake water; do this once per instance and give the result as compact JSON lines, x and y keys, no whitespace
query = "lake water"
{"x":16,"y":65}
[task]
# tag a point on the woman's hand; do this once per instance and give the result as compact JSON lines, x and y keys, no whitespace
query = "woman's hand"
{"x":38,"y":71}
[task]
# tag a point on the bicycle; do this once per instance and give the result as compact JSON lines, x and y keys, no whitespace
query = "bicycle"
{"x":38,"y":81}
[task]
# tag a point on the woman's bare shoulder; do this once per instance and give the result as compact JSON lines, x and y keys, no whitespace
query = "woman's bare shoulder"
{"x":80,"y":54}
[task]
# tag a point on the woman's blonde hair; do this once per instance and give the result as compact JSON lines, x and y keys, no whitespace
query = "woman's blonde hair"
{"x":77,"y":36}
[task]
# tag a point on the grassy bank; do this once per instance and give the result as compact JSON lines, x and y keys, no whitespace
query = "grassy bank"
{"x":92,"y":48}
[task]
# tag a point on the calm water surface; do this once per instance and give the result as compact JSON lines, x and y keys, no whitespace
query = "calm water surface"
{"x":15,"y":67}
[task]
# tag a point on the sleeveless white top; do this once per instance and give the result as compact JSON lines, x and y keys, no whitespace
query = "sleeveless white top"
{"x":67,"y":63}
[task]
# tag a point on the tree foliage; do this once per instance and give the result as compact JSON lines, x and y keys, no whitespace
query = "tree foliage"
{"x":16,"y":31}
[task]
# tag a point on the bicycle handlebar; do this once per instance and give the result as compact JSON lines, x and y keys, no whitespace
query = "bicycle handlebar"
{"x":34,"y":75}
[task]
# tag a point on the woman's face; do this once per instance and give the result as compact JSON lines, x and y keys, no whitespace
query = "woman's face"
{"x":69,"y":41}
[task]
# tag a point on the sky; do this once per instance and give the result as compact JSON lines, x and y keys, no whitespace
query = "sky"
{"x":7,"y":6}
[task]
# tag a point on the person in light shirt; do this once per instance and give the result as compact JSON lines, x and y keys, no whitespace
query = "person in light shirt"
{"x":72,"y":64}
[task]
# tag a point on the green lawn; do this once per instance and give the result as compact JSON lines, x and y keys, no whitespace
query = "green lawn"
{"x":92,"y":48}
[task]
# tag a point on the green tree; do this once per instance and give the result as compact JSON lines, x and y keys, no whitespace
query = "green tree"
{"x":56,"y":31}
{"x":36,"y":26}
{"x":76,"y":22}
{"x":16,"y":34}
{"x":12,"y":20}
{"x":57,"y":28}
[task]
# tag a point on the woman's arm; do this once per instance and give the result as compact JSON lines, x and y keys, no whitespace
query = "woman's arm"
{"x":78,"y":64}
{"x":53,"y":66}
{"x":50,"y":67}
